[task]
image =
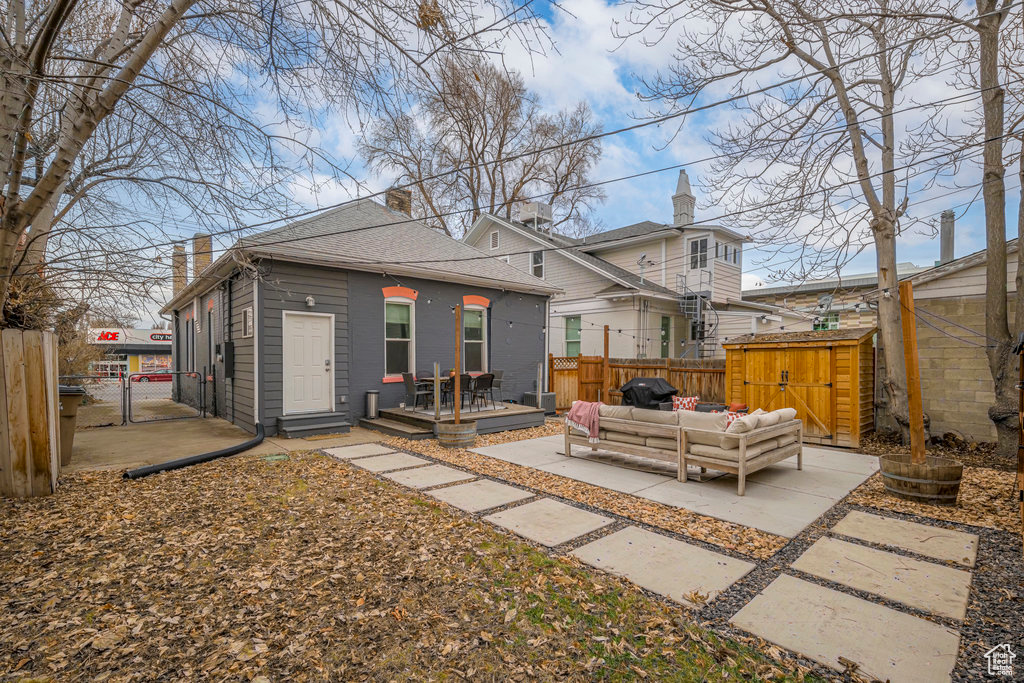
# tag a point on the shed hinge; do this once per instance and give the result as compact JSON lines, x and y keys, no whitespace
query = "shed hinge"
{"x":828,"y":384}
{"x":746,"y":382}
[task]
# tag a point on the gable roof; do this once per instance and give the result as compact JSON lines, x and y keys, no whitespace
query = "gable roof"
{"x":956,"y":265}
{"x":568,"y":247}
{"x":368,"y":236}
{"x":644,"y":230}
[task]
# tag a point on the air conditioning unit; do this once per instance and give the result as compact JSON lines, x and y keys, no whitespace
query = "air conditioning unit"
{"x":534,"y":213}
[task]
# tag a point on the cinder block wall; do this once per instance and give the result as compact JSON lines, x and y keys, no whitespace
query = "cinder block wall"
{"x":956,"y":385}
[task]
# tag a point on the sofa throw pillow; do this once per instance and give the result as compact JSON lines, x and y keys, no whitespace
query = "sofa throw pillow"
{"x":740,"y":425}
{"x":685,"y":402}
{"x":768,"y":419}
{"x":731,"y":416}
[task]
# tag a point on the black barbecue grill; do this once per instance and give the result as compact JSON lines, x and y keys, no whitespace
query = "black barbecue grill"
{"x":647,"y":392}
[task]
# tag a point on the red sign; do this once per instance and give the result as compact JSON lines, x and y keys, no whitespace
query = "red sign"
{"x":108,"y":336}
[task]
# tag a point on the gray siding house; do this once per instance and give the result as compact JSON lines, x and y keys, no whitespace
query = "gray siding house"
{"x":293,"y":326}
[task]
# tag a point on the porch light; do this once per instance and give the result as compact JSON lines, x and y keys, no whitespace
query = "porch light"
{"x":310,"y":302}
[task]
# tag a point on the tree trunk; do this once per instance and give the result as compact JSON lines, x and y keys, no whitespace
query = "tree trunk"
{"x":889,"y":326}
{"x":1000,"y":359}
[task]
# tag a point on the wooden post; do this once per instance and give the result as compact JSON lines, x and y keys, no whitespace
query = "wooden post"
{"x":909,"y":320}
{"x":606,"y":377}
{"x":540,"y":380}
{"x":437,"y":390}
{"x":551,"y":372}
{"x":457,"y":398}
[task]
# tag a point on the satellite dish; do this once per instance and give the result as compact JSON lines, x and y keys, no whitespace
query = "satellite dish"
{"x":825,"y":302}
{"x":640,"y":261}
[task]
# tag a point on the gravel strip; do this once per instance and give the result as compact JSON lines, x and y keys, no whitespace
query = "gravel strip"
{"x":728,"y":535}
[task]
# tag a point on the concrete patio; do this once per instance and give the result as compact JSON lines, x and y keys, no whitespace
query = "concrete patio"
{"x":779,"y":499}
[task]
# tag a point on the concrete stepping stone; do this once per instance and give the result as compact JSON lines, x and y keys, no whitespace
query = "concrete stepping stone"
{"x":361,"y":450}
{"x":824,"y":625}
{"x":927,"y":586}
{"x":549,"y":522}
{"x":930,"y":541}
{"x":425,"y":477}
{"x":664,"y":565}
{"x":480,"y":495}
{"x":529,"y":452}
{"x":388,"y":462}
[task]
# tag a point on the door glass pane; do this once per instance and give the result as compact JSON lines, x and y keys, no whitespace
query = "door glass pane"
{"x":396,"y":357}
{"x":666,"y":335}
{"x":474,"y":357}
{"x":473,"y":325}
{"x":397,"y":321}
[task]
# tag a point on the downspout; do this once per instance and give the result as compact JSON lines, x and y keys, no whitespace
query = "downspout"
{"x":256,"y":354}
{"x":547,"y":340}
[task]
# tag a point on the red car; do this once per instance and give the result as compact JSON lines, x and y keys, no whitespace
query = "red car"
{"x":158,"y":376}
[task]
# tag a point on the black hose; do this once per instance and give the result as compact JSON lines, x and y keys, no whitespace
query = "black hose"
{"x":140,"y":472}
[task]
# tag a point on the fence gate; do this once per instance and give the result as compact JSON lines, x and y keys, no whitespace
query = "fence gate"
{"x":164,"y":396}
{"x":590,"y":378}
{"x":562,"y":380}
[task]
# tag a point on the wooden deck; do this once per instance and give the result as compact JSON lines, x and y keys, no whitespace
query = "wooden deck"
{"x":420,"y":424}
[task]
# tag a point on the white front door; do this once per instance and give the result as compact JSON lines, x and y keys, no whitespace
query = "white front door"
{"x":308,"y":372}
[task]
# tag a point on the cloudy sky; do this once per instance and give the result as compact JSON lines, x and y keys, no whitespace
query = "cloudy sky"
{"x":593,"y":65}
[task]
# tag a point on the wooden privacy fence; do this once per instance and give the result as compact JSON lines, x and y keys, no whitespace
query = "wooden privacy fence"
{"x":597,"y":378}
{"x":29,"y":409}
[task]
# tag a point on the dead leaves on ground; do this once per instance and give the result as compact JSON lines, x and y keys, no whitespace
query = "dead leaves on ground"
{"x":306,"y":569}
{"x":986,"y":499}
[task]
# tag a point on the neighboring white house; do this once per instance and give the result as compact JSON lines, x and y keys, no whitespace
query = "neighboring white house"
{"x":665,"y":291}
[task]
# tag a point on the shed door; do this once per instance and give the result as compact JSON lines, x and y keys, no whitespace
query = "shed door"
{"x":793,"y":377}
{"x":308,"y":362}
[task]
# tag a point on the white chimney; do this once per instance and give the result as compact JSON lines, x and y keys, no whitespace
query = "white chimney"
{"x":683,"y":201}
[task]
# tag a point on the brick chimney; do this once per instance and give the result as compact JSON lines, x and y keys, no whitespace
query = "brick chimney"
{"x":202,"y":253}
{"x":399,"y":200}
{"x":946,"y":236}
{"x":179,"y":269}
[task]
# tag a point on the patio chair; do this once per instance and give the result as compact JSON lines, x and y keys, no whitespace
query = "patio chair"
{"x":414,"y":391}
{"x":482,"y":386}
{"x":496,"y":384}
{"x":465,"y":389}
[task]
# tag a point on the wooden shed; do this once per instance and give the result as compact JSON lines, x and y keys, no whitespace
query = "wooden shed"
{"x":828,"y":376}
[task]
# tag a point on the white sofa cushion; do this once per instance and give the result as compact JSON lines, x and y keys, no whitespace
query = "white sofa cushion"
{"x":713,"y":422}
{"x":768,"y":419}
{"x":622,"y":437}
{"x":658,"y":417}
{"x":741,"y":425}
{"x":618,"y":412}
{"x":733,"y":454}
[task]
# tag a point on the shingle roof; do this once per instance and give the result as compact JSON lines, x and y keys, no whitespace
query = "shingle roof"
{"x":365,"y":235}
{"x":634,"y":230}
{"x":804,"y":336}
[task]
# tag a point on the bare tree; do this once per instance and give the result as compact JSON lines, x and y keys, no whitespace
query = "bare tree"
{"x":123,"y":122}
{"x":466,"y":115}
{"x":814,"y":164}
{"x":989,"y":51}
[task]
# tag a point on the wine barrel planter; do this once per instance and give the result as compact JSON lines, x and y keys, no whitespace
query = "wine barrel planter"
{"x":451,"y":435}
{"x":936,"y":481}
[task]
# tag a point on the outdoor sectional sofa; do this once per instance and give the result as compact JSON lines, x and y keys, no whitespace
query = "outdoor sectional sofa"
{"x":688,"y":437}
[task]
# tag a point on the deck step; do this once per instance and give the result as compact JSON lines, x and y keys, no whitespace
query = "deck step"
{"x":396,"y":428}
{"x":298,"y":431}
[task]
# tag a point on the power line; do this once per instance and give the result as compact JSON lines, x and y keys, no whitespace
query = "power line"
{"x":656,"y":121}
